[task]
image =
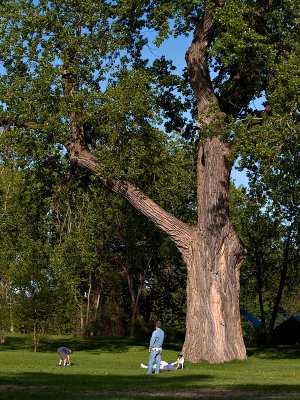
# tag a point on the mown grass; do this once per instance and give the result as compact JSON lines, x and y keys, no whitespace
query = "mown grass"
{"x":109,"y":368}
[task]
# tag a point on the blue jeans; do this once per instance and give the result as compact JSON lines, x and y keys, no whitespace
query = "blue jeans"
{"x":154,"y":355}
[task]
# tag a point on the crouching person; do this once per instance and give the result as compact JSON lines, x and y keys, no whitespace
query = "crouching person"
{"x":64,"y":354}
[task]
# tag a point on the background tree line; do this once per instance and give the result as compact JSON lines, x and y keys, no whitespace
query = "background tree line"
{"x":75,"y":259}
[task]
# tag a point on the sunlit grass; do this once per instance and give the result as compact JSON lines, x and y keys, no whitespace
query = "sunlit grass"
{"x":109,"y":368}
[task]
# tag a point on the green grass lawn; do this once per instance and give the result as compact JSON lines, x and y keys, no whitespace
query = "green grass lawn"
{"x":109,"y":368}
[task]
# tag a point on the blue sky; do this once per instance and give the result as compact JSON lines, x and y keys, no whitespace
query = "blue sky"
{"x":175,"y":49}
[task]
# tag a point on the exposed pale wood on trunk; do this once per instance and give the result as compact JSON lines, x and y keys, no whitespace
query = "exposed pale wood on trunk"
{"x":213,"y":330}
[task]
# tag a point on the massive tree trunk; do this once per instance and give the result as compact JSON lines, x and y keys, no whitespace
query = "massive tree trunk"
{"x":213,"y":329}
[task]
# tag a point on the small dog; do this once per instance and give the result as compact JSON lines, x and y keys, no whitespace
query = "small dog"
{"x":180,"y":361}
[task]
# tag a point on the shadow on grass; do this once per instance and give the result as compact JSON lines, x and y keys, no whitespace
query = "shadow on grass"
{"x":123,"y":344}
{"x":50,"y":344}
{"x":274,"y":353}
{"x":79,"y":343}
{"x":28,"y":386}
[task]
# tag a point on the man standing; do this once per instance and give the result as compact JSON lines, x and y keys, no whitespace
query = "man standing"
{"x":64,"y":354}
{"x":155,"y":348}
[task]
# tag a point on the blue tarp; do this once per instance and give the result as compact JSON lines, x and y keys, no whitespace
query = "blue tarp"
{"x":251,"y":318}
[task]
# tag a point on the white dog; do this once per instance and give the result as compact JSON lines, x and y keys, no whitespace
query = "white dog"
{"x":179,"y":362}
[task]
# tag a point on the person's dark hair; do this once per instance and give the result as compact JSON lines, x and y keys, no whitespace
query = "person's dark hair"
{"x":158,"y":324}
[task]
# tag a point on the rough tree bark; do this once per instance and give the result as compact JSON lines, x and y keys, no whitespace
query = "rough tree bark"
{"x":213,"y":329}
{"x":211,"y":250}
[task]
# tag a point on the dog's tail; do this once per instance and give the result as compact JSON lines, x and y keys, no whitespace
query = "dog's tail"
{"x":143,"y":365}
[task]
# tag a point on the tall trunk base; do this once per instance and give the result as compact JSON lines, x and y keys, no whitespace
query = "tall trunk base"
{"x":213,"y":326}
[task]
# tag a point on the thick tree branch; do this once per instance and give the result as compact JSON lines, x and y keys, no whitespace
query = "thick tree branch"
{"x":173,"y":227}
{"x":7,"y":123}
{"x":176,"y":229}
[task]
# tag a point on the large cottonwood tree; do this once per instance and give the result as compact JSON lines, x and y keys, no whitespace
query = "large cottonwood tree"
{"x":58,"y":56}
